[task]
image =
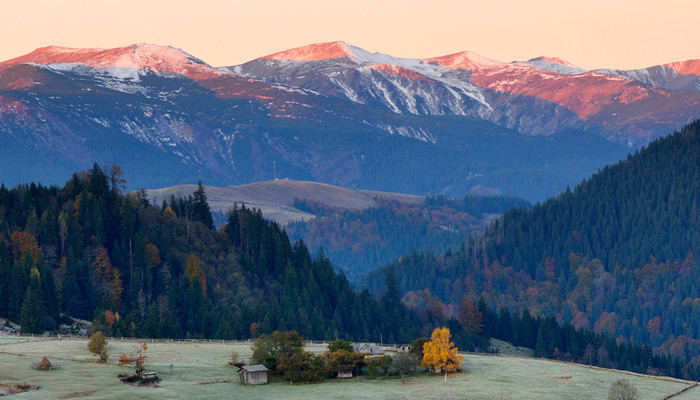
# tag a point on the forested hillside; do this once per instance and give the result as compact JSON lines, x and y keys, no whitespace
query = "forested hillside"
{"x":88,"y":250}
{"x":359,"y":240}
{"x":616,"y":254}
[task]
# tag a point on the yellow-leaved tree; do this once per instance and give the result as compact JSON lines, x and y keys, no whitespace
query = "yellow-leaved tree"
{"x":439,"y":352}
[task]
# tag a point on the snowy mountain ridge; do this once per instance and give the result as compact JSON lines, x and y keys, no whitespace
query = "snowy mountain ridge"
{"x":334,"y":113}
{"x":543,"y":95}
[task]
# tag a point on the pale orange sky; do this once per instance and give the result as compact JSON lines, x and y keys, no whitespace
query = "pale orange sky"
{"x":591,"y":33}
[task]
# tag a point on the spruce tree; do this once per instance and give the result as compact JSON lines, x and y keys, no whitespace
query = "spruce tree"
{"x":200,"y":207}
{"x":32,"y":312}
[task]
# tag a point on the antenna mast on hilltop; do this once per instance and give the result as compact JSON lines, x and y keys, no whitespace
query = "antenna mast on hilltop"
{"x":274,"y":169}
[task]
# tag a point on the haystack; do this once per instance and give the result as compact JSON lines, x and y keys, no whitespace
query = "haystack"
{"x":45,"y":365}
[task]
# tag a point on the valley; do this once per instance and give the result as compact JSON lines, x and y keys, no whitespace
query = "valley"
{"x":348,"y":194}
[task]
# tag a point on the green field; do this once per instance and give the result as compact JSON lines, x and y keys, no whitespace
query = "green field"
{"x":485,"y":377}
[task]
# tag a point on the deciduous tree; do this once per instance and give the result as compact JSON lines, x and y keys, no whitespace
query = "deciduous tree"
{"x":268,"y":349}
{"x":439,"y":352}
{"x":404,"y":365}
{"x":97,"y":345}
{"x":341,"y":360}
{"x":137,"y":358}
{"x":622,"y":389}
{"x":299,"y":366}
{"x":470,"y":317}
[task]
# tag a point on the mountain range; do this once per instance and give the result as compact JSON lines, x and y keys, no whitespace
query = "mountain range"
{"x":332,"y":113}
{"x":541,"y":96}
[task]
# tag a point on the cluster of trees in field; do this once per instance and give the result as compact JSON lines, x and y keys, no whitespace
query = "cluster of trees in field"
{"x":361,"y":240}
{"x":89,"y":250}
{"x":283,"y":353}
{"x":615,"y":255}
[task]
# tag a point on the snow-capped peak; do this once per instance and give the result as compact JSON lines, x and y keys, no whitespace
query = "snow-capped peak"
{"x":314,"y":52}
{"x":554,"y":60}
{"x":146,"y":57}
{"x":555,"y":64}
{"x":465,"y":60}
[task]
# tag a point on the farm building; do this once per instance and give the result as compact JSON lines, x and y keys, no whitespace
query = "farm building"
{"x":368,"y":349}
{"x":403,"y":348}
{"x":253,"y":375}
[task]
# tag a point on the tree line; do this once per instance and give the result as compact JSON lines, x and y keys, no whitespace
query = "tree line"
{"x":91,"y":251}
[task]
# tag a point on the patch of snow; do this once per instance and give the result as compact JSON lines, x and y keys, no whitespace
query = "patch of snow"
{"x":556,"y":65}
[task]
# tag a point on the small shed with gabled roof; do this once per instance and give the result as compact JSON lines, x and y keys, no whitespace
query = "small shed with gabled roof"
{"x":253,"y":375}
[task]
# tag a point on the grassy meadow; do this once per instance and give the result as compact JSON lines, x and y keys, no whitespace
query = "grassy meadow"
{"x":185,"y":369}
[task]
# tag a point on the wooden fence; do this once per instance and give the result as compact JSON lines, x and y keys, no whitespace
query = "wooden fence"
{"x":12,"y":338}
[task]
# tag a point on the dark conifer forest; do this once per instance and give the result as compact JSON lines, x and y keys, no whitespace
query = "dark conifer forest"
{"x":616,"y":255}
{"x":88,"y":250}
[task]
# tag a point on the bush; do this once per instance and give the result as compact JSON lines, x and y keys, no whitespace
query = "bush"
{"x":622,"y":389}
{"x":97,"y":345}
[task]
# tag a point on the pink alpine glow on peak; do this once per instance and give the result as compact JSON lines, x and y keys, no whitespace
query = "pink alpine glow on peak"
{"x":465,"y":60}
{"x":314,"y":52}
{"x":400,"y":71}
{"x":148,"y":57}
{"x":689,"y":67}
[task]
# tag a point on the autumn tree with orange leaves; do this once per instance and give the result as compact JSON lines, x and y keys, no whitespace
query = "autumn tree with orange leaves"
{"x":106,"y":278}
{"x":137,"y":358}
{"x":194,"y":273}
{"x":439,"y":352}
{"x":470,"y":317}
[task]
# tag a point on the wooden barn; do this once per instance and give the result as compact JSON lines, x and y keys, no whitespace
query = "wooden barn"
{"x":253,"y":375}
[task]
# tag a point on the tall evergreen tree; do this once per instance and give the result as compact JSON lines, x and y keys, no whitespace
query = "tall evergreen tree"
{"x":32,"y":313}
{"x":200,"y":207}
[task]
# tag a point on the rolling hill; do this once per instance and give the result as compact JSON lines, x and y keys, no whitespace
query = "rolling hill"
{"x":358,"y":229}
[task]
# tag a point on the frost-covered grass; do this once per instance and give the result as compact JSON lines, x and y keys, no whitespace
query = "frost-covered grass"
{"x":486,"y":377}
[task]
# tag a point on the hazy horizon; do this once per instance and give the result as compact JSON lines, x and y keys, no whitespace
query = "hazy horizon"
{"x":595,"y":34}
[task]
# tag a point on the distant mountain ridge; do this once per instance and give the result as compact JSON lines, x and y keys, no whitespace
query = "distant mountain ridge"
{"x":330,"y":113}
{"x":540,"y":96}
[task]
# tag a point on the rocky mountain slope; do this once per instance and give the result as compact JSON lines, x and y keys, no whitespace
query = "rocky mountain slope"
{"x":541,"y":96}
{"x":330,"y":113}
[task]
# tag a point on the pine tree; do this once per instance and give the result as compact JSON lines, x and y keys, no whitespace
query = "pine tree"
{"x":200,"y":207}
{"x":540,"y":344}
{"x":32,"y":312}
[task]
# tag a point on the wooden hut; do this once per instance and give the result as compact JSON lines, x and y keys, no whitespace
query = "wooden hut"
{"x":253,"y":375}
